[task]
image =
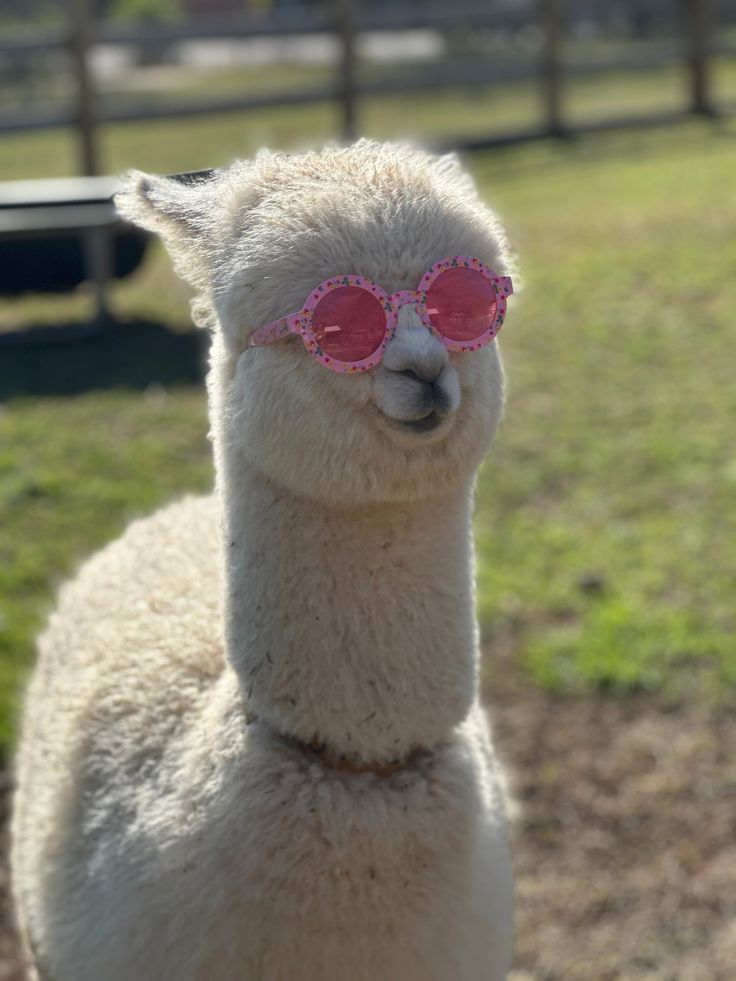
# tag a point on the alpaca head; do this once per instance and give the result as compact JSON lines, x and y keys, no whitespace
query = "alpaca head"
{"x":256,"y":239}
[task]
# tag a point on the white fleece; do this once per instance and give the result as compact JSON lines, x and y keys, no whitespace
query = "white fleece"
{"x":167,"y":826}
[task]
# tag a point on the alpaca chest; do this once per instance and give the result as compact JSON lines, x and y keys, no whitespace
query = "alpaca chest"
{"x":321,"y":876}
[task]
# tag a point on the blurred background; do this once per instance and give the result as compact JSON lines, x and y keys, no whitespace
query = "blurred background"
{"x":606,"y":520}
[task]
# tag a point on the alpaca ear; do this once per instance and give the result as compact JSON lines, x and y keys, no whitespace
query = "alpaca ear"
{"x":179,"y":209}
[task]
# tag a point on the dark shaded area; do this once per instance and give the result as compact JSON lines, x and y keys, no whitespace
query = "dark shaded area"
{"x":77,"y":358}
{"x":59,"y":263}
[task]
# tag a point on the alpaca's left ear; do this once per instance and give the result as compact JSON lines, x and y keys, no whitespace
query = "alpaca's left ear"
{"x":179,"y":210}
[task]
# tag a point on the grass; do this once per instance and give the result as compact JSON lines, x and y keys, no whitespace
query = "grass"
{"x":606,"y":521}
{"x":73,"y":472}
{"x":607,"y":527}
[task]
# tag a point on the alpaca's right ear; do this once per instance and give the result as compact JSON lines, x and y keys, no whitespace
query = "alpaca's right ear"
{"x":178,"y":210}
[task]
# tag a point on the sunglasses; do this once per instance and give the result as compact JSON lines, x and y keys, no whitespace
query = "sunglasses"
{"x":347,"y":321}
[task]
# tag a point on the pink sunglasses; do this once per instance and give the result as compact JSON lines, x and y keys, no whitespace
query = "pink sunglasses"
{"x":347,"y":321}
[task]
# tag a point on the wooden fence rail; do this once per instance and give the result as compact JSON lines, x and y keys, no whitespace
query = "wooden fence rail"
{"x":347,"y":18}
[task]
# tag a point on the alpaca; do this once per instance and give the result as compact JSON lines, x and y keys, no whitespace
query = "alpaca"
{"x":253,"y":748}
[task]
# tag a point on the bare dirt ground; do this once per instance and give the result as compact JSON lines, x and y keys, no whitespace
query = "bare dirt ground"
{"x":625,"y":845}
{"x":625,"y":840}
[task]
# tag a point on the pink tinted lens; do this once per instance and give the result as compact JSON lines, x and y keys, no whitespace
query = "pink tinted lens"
{"x":461,"y":304}
{"x":349,"y":323}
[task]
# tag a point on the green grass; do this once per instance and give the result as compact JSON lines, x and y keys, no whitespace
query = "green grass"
{"x":73,"y":472}
{"x":606,"y":520}
{"x":607,"y":525}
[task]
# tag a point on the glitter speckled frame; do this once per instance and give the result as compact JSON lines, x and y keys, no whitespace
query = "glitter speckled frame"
{"x":301,"y":322}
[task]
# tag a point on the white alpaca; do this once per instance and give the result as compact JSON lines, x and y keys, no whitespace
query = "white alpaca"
{"x":275,"y":767}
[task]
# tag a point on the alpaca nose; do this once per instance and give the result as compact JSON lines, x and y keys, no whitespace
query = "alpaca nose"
{"x":414,"y":351}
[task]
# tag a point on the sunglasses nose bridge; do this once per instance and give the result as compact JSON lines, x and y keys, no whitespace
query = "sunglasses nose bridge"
{"x":405,"y":303}
{"x":414,"y":349}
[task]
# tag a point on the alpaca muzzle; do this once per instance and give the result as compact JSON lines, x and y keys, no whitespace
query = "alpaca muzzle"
{"x":416,"y":385}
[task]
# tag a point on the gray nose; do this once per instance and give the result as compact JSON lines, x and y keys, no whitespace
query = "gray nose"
{"x":414,"y":351}
{"x":416,"y":381}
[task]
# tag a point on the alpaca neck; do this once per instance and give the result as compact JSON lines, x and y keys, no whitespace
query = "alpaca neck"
{"x":351,"y":628}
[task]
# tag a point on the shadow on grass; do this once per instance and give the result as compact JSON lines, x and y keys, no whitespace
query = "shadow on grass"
{"x":76,"y":358}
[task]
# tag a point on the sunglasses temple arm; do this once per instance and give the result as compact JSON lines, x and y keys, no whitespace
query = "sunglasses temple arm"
{"x":275,"y":331}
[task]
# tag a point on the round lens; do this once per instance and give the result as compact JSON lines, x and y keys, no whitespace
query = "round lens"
{"x":349,"y":323}
{"x":461,"y":304}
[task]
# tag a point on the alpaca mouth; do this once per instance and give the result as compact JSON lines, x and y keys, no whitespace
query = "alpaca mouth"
{"x":429,"y":423}
{"x":426,"y":424}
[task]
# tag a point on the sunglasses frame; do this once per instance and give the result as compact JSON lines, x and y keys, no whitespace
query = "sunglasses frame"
{"x":300,"y":323}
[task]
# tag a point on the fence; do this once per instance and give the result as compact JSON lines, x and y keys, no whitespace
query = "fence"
{"x":346,"y":20}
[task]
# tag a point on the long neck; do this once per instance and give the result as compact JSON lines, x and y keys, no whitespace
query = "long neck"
{"x":355,"y":629}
